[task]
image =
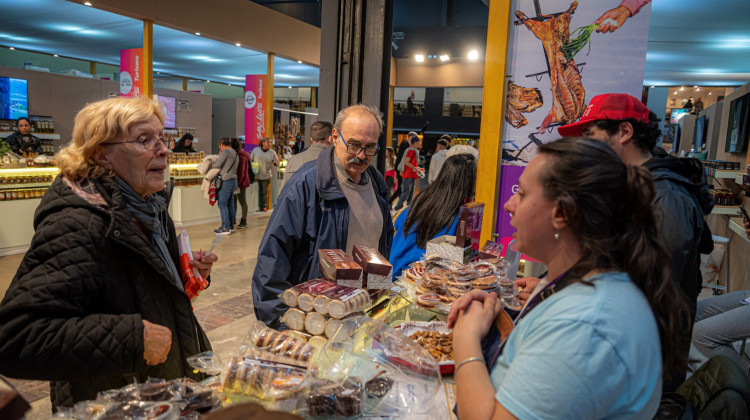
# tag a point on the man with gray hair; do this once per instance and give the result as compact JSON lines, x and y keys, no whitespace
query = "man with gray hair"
{"x":320,"y":136}
{"x":333,"y":202}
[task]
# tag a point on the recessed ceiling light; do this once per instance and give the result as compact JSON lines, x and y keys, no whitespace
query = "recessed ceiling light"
{"x":56,"y":55}
{"x":238,"y":44}
{"x":682,"y":88}
{"x":88,"y":3}
{"x":158,"y":72}
{"x":12,"y":48}
{"x":299,"y":61}
{"x":419,"y":58}
{"x":198,"y":33}
{"x":709,"y":93}
{"x":208,"y":81}
{"x":653,"y":87}
{"x":473,"y":54}
{"x":695,"y":87}
{"x":289,"y":87}
{"x":444,"y":57}
{"x":675,"y":93}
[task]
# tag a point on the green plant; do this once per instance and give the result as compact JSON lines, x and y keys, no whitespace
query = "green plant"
{"x":4,"y":148}
{"x":572,"y":46}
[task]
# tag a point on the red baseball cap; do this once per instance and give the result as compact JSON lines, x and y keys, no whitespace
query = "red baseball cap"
{"x":609,"y":106}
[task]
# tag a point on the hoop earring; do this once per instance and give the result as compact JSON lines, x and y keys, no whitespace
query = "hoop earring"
{"x":556,"y":236}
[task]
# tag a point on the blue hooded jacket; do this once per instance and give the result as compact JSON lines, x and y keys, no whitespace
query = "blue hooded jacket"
{"x":311,"y":214}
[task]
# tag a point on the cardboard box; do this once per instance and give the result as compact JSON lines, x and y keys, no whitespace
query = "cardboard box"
{"x":445,"y":247}
{"x":378,"y":272}
{"x":337,"y":266}
{"x":469,"y":225}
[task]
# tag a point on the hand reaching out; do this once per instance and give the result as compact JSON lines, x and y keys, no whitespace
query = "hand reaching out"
{"x":612,"y":20}
{"x":204,"y":264}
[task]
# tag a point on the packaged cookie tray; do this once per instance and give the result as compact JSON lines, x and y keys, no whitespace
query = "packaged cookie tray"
{"x":154,"y":399}
{"x":435,"y":283}
{"x":326,"y":298}
{"x":410,"y":328}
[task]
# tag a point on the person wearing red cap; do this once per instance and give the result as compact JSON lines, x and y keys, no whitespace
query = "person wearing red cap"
{"x":632,"y":130}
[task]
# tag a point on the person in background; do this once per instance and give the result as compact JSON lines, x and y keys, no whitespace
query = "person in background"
{"x":410,"y":108}
{"x":98,"y":301}
{"x":688,"y":104}
{"x":227,"y":164}
{"x":298,"y":145}
{"x":243,"y":182}
{"x":698,"y":105}
{"x":334,"y":202}
{"x":682,"y":195}
{"x":434,"y":212}
{"x":721,"y":321}
{"x":410,"y":172}
{"x":400,"y":155}
{"x":264,"y":156}
{"x":22,"y":141}
{"x":595,"y":344}
{"x":320,"y":137}
{"x":286,"y":151}
{"x":185,"y":144}
{"x":390,"y":168}
{"x":436,"y":163}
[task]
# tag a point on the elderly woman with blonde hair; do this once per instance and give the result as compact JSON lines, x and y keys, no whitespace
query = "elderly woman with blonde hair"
{"x":98,"y":301}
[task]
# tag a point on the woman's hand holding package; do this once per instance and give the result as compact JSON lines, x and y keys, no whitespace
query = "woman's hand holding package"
{"x":157,"y":340}
{"x":473,"y":322}
{"x":204,"y":263}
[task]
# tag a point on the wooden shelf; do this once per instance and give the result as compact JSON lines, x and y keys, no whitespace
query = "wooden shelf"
{"x":27,"y":185}
{"x":735,"y":225}
{"x":187,"y":177}
{"x":724,"y":174}
{"x":728,"y":210}
{"x":43,"y":136}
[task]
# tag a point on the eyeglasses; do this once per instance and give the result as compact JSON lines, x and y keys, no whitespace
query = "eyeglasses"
{"x":149,"y":143}
{"x":355,"y":148}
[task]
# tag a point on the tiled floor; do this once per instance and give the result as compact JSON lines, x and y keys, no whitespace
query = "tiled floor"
{"x":224,"y":310}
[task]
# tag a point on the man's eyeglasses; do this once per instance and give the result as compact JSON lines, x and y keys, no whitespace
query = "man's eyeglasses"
{"x":149,"y":143}
{"x":355,"y":148}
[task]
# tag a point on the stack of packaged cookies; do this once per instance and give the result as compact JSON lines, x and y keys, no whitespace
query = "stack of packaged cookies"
{"x":437,"y":282}
{"x":317,"y":306}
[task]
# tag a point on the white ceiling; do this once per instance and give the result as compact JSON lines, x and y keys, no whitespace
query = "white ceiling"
{"x":691,"y":42}
{"x":73,"y":30}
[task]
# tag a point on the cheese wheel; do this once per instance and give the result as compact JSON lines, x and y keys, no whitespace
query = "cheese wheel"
{"x":320,"y":304}
{"x":294,"y":319}
{"x":317,"y":341}
{"x":290,"y":297}
{"x":305,"y":302}
{"x":315,"y":323}
{"x":332,"y":326}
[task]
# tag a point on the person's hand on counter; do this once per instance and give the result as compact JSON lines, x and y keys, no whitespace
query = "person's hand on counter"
{"x":526,"y":286}
{"x":464,"y":302}
{"x":204,"y":263}
{"x":473,"y":322}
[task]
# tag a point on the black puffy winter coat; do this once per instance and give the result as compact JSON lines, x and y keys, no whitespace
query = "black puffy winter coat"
{"x":73,"y":313}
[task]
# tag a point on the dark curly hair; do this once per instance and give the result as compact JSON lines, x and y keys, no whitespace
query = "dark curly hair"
{"x":645,"y":134}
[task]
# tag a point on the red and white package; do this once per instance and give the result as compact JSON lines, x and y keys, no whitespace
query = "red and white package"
{"x":192,"y":280}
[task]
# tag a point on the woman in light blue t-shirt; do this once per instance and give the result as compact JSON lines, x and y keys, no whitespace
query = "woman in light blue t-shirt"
{"x":433,"y":212}
{"x":589,"y":344}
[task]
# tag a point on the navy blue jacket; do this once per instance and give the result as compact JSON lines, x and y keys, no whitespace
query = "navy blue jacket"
{"x":311,"y":214}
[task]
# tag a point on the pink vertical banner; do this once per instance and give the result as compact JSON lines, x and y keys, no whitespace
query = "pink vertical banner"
{"x":131,"y":80}
{"x":255,"y":110}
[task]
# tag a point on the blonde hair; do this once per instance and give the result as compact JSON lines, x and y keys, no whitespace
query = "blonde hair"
{"x":98,"y":123}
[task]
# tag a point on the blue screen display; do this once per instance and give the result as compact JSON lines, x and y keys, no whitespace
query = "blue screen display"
{"x":14,"y":98}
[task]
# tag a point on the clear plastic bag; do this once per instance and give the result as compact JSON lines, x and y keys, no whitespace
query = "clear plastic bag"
{"x":390,"y":374}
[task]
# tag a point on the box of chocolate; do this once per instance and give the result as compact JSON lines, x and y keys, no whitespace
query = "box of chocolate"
{"x":491,"y":250}
{"x":378,"y":272}
{"x":338,"y":267}
{"x":444,"y":246}
{"x":469,"y":225}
